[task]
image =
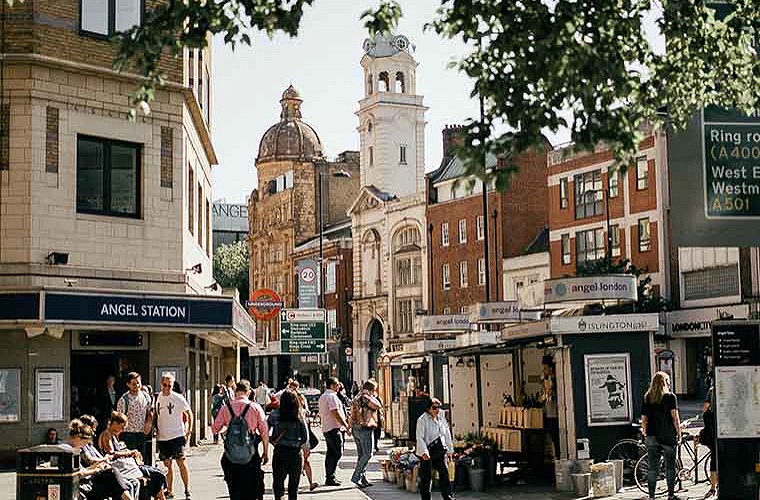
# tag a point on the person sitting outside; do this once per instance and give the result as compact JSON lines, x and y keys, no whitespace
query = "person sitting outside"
{"x":111,"y":483}
{"x":52,"y":436}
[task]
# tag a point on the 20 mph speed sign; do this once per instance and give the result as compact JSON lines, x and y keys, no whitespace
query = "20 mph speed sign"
{"x":308,"y":275}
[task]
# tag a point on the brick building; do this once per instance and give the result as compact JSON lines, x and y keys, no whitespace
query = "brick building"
{"x":283,"y":213}
{"x":104,"y":220}
{"x":517,"y":219}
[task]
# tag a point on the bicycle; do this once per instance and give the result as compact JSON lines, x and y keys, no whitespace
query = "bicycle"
{"x":629,"y":450}
{"x":687,"y":468}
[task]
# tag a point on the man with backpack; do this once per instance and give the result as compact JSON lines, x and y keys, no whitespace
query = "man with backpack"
{"x":364,"y":419}
{"x":241,"y":463}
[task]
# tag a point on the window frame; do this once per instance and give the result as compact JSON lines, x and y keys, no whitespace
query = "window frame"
{"x":615,"y":250}
{"x":564,"y":193}
{"x":613,"y":174}
{"x":402,"y":154}
{"x":444,"y":234}
{"x":190,"y":199}
{"x":462,"y":225}
{"x":331,"y":276}
{"x":565,"y":251}
{"x":480,"y":228}
{"x":446,"y":276}
{"x":107,"y":144}
{"x":599,"y":249}
{"x":464,"y":272}
{"x":644,"y":245}
{"x":111,"y":20}
{"x":371,"y":156}
{"x":580,"y":182}
{"x":642,"y":181}
{"x":481,"y":272}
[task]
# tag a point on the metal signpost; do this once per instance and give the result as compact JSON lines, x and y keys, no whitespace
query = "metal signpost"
{"x":308,"y":283}
{"x":303,"y":331}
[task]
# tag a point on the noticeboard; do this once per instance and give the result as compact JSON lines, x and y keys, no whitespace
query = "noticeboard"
{"x":303,"y":331}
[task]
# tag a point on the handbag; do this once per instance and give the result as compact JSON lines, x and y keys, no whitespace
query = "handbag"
{"x":436,"y":448}
{"x":313,"y":440}
{"x":127,"y":468}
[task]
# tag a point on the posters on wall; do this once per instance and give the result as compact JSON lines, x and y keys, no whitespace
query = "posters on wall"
{"x":49,"y":385}
{"x":10,"y":394}
{"x":608,"y":389}
{"x":738,"y":396}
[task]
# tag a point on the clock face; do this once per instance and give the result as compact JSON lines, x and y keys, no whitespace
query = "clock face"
{"x":367,"y":45}
{"x":401,"y":42}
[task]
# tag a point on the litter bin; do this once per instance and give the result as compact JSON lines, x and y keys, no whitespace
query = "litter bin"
{"x":47,"y":472}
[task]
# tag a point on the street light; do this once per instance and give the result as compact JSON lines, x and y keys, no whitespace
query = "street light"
{"x":340,"y":174}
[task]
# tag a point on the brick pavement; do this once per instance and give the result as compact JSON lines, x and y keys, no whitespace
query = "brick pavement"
{"x":207,"y":482}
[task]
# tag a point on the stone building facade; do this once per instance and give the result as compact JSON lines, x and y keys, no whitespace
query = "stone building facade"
{"x":105,"y":237}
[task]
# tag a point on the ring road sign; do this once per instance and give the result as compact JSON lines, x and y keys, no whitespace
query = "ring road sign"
{"x":264,"y":304}
{"x":303,"y":331}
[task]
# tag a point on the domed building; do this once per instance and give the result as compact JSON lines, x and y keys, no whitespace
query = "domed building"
{"x":283,"y":211}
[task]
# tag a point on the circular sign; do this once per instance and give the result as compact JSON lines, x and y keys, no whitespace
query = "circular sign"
{"x":308,"y":275}
{"x":264,"y":304}
{"x":349,"y":351}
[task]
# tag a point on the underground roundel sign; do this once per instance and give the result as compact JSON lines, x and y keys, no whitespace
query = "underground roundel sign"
{"x":264,"y":304}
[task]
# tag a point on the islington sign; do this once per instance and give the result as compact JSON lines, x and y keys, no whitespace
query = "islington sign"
{"x":617,"y":287}
{"x":445,"y":323}
{"x":303,"y":331}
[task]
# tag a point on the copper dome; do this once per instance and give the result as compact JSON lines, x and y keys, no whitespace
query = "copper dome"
{"x":291,"y":138}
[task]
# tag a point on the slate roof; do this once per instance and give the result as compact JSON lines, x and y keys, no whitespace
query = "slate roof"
{"x":454,"y":168}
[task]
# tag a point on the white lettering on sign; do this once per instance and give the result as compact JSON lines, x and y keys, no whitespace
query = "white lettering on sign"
{"x":143,"y":311}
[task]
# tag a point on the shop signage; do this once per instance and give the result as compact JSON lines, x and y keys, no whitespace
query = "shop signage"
{"x":611,"y":323}
{"x":422,"y":346}
{"x":501,"y":312}
{"x":308,"y":283}
{"x":608,"y":389}
{"x":230,"y":217}
{"x":137,"y":309}
{"x":698,"y":322}
{"x":303,"y":331}
{"x":478,"y":338}
{"x":590,"y":288}
{"x":264,"y":304}
{"x":445,"y":323}
{"x":16,"y":306}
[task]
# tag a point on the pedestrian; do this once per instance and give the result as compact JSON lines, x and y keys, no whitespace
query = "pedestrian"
{"x":52,"y":436}
{"x":238,"y":420}
{"x":129,"y":481}
{"x":661,"y":426}
{"x":708,"y":437}
{"x":354,"y":389}
{"x":217,"y":400}
{"x":137,"y":405}
{"x":262,"y":394}
{"x":229,"y":386}
{"x":173,"y":432}
{"x":333,"y":416}
{"x":312,"y":441}
{"x":108,"y":399}
{"x":434,"y":445}
{"x":290,"y":434}
{"x":549,"y":397}
{"x":109,"y":444}
{"x":364,"y":410}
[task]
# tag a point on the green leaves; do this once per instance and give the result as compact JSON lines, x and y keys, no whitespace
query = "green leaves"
{"x":231,"y":267}
{"x":384,"y":19}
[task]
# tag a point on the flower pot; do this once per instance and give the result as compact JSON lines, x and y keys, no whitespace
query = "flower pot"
{"x":411,"y":482}
{"x":477,"y":479}
{"x":461,"y":477}
{"x":400,"y":479}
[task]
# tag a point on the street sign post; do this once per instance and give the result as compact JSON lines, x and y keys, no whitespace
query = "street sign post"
{"x":308,"y":283}
{"x":303,"y":331}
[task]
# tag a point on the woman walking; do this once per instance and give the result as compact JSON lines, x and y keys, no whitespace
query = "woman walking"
{"x":434,"y":445}
{"x":295,"y":386}
{"x":289,"y":435}
{"x":661,"y":426}
{"x":217,"y":400}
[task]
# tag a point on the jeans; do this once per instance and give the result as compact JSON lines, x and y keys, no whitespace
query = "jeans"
{"x":244,"y":482}
{"x":426,"y":475}
{"x":363,"y":437}
{"x":287,"y":462}
{"x":334,"y":442}
{"x":654,"y":451}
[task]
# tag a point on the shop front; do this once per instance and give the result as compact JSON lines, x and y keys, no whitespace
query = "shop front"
{"x":60,"y":346}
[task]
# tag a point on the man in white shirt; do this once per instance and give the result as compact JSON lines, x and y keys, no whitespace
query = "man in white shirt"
{"x":434,"y":446}
{"x":262,"y":394}
{"x":174,"y":423}
{"x":333,"y":417}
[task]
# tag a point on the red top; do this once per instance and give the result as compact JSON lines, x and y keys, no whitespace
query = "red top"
{"x":255,"y":417}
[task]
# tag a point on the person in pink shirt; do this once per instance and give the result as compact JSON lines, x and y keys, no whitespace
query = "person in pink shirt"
{"x":247,"y":480}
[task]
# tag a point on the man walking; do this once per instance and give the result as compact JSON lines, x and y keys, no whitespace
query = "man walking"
{"x":262,"y":394}
{"x":364,"y":420}
{"x":174,"y":421}
{"x":229,"y":387}
{"x":138,"y":408}
{"x":237,"y":417}
{"x":333,"y":417}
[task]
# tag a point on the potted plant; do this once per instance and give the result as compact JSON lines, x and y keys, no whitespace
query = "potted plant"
{"x":475,"y":471}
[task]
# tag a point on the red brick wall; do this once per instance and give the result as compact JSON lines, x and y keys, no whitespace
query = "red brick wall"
{"x":645,"y":199}
{"x":646,"y":260}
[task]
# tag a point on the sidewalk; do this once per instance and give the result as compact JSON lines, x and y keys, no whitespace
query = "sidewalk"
{"x":207,"y":482}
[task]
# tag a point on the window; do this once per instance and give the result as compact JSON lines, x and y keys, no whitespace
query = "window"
{"x":402,"y":154}
{"x":645,"y":243}
{"x":446,"y":276}
{"x":481,"y":272}
{"x":564,"y":199}
{"x":566,"y":249}
{"x":589,"y":245}
{"x":200,"y":215}
{"x":464,"y":310}
{"x":446,"y":310}
{"x":614,"y":181}
{"x":106,"y":17}
{"x":371,"y":156}
{"x":190,"y":199}
{"x":463,"y":275}
{"x":588,"y":194}
{"x":330,"y":277}
{"x":615,"y":239}
{"x":480,"y":227}
{"x":463,"y":231}
{"x":406,"y":238}
{"x":208,"y":228}
{"x":408,"y":270}
{"x":108,"y":177}
{"x":445,"y":234}
{"x":332,"y":319}
{"x":642,"y":173}
{"x":405,"y":312}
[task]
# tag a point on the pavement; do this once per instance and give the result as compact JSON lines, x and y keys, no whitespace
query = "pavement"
{"x":207,"y":482}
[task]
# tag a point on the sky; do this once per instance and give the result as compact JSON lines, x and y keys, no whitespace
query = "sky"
{"x":322,"y":63}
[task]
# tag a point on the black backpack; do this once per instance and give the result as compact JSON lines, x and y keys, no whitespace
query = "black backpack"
{"x":239,"y":445}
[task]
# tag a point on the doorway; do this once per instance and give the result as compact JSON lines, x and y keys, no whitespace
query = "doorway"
{"x":375,"y":346}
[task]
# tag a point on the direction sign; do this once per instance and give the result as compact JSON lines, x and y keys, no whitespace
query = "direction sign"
{"x":303,"y":331}
{"x":264,"y":304}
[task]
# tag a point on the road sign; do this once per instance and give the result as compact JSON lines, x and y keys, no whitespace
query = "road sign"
{"x":303,"y":331}
{"x":264,"y":304}
{"x":308,"y":283}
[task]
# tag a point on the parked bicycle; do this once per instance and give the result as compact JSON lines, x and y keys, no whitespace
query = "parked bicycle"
{"x":688,"y":462}
{"x":629,"y":450}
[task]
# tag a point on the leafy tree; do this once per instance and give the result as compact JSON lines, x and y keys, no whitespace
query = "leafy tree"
{"x":231,"y":267}
{"x":649,"y":298}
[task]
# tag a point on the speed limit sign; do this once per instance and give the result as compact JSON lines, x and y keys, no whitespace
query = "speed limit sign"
{"x":308,"y":274}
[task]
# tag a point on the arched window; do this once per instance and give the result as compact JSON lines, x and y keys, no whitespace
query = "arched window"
{"x":369,"y":127}
{"x":371,"y":242}
{"x":370,"y":84}
{"x":400,"y":83}
{"x":383,"y":82}
{"x":405,"y":238}
{"x":407,"y":257}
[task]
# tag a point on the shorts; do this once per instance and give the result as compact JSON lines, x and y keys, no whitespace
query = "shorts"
{"x":173,"y":449}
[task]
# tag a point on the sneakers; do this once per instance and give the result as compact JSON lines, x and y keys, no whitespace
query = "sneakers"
{"x":360,"y":484}
{"x":188,"y":496}
{"x":365,"y":483}
{"x":169,"y":495}
{"x":332,"y":482}
{"x":313,"y":486}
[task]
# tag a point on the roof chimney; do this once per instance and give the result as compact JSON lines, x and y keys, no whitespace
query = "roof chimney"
{"x":453,"y":135}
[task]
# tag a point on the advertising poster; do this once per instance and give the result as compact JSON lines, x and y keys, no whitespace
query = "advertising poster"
{"x":49,"y":395}
{"x":608,"y":389}
{"x":10,"y":394}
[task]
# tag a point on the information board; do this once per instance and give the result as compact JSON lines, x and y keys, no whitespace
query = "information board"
{"x":303,"y":331}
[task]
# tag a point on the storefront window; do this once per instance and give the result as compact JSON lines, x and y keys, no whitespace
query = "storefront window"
{"x":10,"y":395}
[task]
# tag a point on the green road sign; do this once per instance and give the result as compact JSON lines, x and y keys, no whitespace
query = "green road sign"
{"x":303,"y":331}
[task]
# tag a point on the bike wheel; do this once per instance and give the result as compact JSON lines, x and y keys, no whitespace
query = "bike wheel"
{"x":641,"y":474}
{"x":629,"y":451}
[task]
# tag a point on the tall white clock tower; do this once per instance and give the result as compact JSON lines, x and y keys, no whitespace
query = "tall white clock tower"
{"x":391,"y":118}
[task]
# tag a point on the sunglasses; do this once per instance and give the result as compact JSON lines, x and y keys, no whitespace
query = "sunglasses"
{"x":166,"y":385}
{"x":436,"y":407}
